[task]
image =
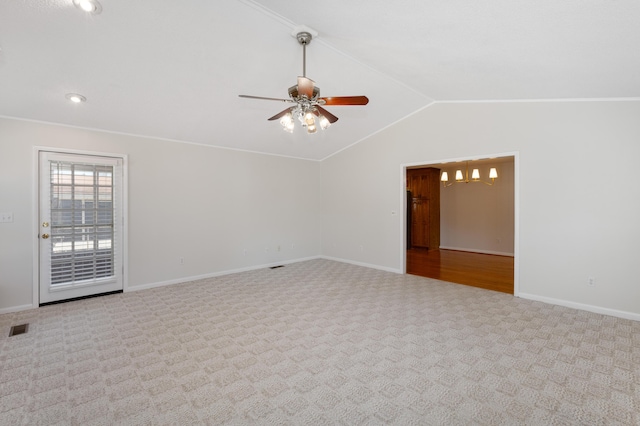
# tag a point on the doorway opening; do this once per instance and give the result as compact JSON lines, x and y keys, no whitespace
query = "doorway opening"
{"x":472,"y":236}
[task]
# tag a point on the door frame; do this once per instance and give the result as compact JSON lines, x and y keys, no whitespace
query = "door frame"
{"x":35,"y":212}
{"x":516,"y":207}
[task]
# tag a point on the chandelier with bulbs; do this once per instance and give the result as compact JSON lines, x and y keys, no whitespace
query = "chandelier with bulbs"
{"x":475,"y":176}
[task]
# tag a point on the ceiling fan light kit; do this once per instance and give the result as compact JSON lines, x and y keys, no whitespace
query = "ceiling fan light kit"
{"x":308,"y":109}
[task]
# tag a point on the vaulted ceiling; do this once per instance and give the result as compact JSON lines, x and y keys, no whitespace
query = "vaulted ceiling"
{"x":174,"y":69}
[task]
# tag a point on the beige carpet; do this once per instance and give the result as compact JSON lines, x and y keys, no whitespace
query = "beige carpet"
{"x":318,"y":343}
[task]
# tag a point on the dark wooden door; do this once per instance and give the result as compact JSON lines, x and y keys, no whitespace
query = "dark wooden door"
{"x":420,"y":222}
{"x":424,"y":186}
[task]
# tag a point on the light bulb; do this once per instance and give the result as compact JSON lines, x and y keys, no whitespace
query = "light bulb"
{"x":309,"y":119}
{"x":76,"y":98}
{"x":459,"y":175}
{"x":311,"y":128}
{"x":445,"y":177}
{"x":286,"y":119}
{"x":89,"y":6}
{"x":493,"y":173}
{"x":324,"y":122}
{"x":287,"y":122}
{"x":475,"y":174}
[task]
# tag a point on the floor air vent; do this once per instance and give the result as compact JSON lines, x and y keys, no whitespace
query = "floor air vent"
{"x":276,"y":267}
{"x":19,"y":329}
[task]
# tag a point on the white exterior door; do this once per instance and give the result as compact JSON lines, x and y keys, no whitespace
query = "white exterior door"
{"x":81,"y":225}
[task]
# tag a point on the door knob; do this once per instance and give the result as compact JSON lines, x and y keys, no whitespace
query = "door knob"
{"x":45,"y":236}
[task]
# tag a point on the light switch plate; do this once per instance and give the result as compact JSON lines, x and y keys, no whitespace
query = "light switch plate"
{"x":6,"y":217}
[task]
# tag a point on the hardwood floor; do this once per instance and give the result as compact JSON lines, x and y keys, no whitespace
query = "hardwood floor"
{"x":475,"y":269}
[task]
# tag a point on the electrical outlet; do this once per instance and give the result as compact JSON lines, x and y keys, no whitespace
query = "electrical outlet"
{"x":591,"y":281}
{"x":6,"y":217}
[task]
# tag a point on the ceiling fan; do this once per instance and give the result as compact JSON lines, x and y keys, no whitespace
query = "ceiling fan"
{"x":306,"y":97}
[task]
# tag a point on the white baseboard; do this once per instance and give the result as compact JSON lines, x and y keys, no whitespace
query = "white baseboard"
{"x":366,"y":265}
{"x":16,"y":309}
{"x":215,"y":274}
{"x":582,"y":307}
{"x":496,"y":253}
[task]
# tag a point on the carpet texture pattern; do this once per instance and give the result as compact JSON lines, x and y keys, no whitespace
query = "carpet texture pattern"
{"x":318,"y":343}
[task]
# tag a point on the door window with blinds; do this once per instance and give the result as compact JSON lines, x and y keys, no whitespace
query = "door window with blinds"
{"x":81,"y":225}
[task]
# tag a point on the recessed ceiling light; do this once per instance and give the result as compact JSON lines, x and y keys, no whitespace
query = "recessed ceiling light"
{"x":89,"y":6}
{"x":76,"y":98}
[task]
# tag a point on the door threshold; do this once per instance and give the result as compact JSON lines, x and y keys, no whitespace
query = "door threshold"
{"x":55,"y":302}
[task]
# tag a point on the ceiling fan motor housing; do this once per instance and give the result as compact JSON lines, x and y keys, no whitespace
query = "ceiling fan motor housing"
{"x":293,"y":92}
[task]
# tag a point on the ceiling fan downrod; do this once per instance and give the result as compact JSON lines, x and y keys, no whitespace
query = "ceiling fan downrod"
{"x":304,"y":38}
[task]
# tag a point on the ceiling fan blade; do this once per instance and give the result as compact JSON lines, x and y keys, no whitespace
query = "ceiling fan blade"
{"x":332,"y":118}
{"x":265,"y":99}
{"x":305,"y":87}
{"x":279,"y":115}
{"x":345,"y":100}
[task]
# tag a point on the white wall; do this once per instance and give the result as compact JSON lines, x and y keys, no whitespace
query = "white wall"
{"x":205,"y":205}
{"x":478,"y":217}
{"x":579,"y":199}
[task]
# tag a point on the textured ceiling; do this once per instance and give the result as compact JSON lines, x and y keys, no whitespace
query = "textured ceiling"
{"x":173,"y":69}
